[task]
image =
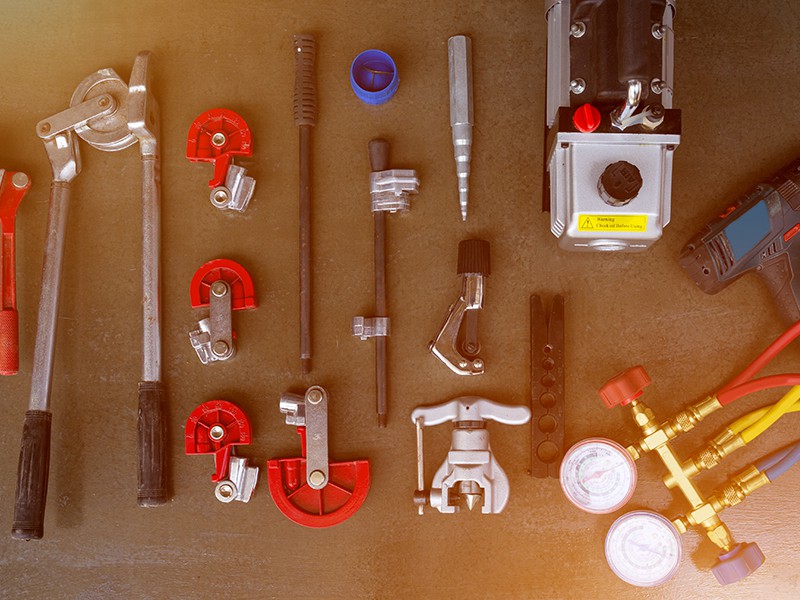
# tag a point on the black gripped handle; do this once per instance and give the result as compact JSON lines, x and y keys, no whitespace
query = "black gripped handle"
{"x":633,"y":37}
{"x":782,"y":276}
{"x":32,"y":473}
{"x":152,"y":434}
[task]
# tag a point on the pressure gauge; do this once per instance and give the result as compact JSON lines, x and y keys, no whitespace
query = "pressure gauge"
{"x":598,"y":475}
{"x":643,"y":548}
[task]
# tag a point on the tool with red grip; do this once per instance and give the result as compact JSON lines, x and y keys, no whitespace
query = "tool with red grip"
{"x":308,"y":489}
{"x":12,"y":188}
{"x":224,"y":286}
{"x":217,"y":136}
{"x":215,"y":427}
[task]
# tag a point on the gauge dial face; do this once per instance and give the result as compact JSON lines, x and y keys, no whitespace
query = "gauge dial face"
{"x":643,"y":548}
{"x":598,"y":475}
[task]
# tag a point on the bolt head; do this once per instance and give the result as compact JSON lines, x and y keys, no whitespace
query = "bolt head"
{"x":315,"y":396}
{"x":220,"y":197}
{"x":219,"y":288}
{"x":462,"y":364}
{"x":218,"y":139}
{"x":20,"y":180}
{"x":220,"y":348}
{"x":577,"y":29}
{"x":44,"y":127}
{"x":216,"y":433}
{"x":478,"y":364}
{"x":103,"y":102}
{"x":316,"y":478}
{"x":577,"y":85}
{"x":657,"y":30}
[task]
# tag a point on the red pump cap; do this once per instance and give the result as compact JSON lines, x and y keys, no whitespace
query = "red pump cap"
{"x":586,"y":118}
{"x":624,"y":387}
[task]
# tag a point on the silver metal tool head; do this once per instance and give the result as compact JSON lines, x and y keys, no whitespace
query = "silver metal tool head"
{"x":109,"y":132}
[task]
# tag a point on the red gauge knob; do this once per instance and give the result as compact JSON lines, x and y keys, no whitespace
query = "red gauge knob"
{"x":586,"y":118}
{"x":625,"y":387}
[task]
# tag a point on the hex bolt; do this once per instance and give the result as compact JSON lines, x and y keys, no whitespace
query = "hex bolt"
{"x":218,"y":139}
{"x":315,"y":397}
{"x":219,"y":288}
{"x":577,"y":29}
{"x":216,"y":433}
{"x":577,"y":85}
{"x":220,"y":348}
{"x":316,"y":478}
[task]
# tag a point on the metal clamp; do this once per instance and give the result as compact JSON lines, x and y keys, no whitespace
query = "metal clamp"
{"x":224,"y":286}
{"x":366,"y":328}
{"x":311,"y":412}
{"x":390,"y":189}
{"x":217,"y":136}
{"x":470,"y":471}
{"x":461,"y":355}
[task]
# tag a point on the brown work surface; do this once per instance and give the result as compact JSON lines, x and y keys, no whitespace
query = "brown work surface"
{"x":736,"y":69}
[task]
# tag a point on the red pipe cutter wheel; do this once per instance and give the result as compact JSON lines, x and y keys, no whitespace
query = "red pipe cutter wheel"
{"x":12,"y":188}
{"x":215,"y":427}
{"x":224,"y":286}
{"x":308,"y":489}
{"x":217,"y":136}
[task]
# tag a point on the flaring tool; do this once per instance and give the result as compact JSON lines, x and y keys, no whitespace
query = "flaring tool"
{"x":216,"y":427}
{"x":109,"y":115}
{"x":223,"y":286}
{"x":309,"y":489}
{"x":216,"y":136}
{"x":390,"y":191}
{"x":456,"y":349}
{"x":470,"y":471}
{"x":13,"y":187}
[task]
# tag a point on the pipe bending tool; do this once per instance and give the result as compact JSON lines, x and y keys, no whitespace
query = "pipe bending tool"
{"x":456,"y":349}
{"x":223,"y":286}
{"x":459,"y":53}
{"x":109,"y":115}
{"x":599,"y":475}
{"x":470,"y":471}
{"x":216,"y":427}
{"x":611,"y":129}
{"x":216,"y":136}
{"x":390,"y":191}
{"x":13,"y":187}
{"x":309,"y":489}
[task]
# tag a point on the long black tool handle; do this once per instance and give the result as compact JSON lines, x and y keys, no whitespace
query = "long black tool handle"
{"x":305,"y":117}
{"x":152,"y":483}
{"x":34,"y":466}
{"x":633,"y":38}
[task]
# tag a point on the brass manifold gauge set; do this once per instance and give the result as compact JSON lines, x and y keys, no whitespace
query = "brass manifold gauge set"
{"x":611,"y":133}
{"x":599,"y":475}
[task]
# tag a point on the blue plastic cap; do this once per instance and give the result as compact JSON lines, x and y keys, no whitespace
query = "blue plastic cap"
{"x":373,"y":76}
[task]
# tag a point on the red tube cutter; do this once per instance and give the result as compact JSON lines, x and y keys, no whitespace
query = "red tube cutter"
{"x":308,"y":489}
{"x":12,"y":188}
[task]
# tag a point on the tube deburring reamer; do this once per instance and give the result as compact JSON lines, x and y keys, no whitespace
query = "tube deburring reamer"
{"x":459,"y":51}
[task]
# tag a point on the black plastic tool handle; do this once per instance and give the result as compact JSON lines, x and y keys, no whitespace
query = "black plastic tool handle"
{"x":305,"y":86}
{"x":34,"y":467}
{"x":152,"y":483}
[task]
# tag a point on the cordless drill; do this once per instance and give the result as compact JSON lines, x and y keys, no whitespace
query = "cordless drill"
{"x":757,"y":232}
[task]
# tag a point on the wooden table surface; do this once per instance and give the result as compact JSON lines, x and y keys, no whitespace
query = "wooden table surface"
{"x":736,"y":71}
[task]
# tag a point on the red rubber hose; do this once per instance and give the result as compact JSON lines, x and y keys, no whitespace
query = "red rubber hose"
{"x":756,"y":385}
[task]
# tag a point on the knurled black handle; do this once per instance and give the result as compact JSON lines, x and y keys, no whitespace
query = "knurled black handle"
{"x":473,"y":257}
{"x":305,"y":86}
{"x":152,"y":481}
{"x":32,"y":473}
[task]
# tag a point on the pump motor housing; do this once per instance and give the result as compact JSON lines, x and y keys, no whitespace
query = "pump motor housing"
{"x":611,"y":130}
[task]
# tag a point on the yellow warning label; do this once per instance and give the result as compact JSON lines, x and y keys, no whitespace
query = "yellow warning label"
{"x":612,"y":222}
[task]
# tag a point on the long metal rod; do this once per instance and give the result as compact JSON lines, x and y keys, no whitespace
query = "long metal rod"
{"x":420,"y":465}
{"x":305,"y":248}
{"x":44,"y":348}
{"x":151,"y":280}
{"x":380,"y":311}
